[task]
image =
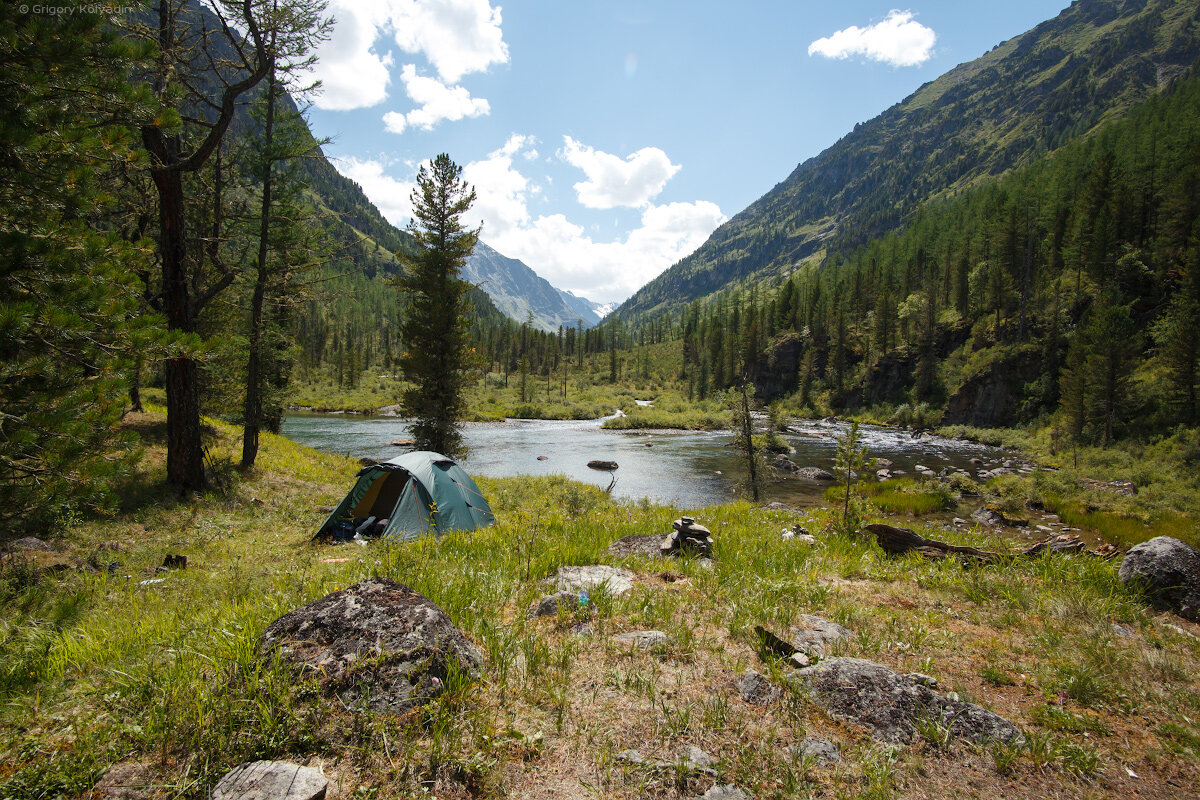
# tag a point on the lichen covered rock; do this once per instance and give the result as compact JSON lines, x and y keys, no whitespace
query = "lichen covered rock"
{"x":378,"y":642}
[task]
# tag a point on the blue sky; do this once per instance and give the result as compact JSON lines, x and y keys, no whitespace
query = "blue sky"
{"x":607,"y":138}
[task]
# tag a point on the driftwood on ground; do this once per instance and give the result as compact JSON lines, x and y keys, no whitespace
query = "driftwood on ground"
{"x":898,"y":541}
{"x":902,"y":540}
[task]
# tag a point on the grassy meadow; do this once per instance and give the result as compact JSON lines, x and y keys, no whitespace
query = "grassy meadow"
{"x":98,"y":666}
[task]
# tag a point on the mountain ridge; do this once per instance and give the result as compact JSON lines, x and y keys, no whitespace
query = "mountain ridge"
{"x":1024,"y":98}
{"x":521,"y":294}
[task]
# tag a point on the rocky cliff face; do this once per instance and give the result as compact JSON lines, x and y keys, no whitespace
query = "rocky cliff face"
{"x":520,"y":292}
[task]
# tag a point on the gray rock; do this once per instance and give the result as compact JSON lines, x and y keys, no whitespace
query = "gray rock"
{"x":821,"y":751}
{"x":785,"y":464}
{"x":727,"y":792}
{"x":271,"y":780}
{"x":631,"y":757}
{"x":28,"y":543}
{"x":377,"y":642}
{"x":1168,"y":570}
{"x":577,"y":579}
{"x":641,"y":640}
{"x":693,"y":759}
{"x":548,"y":606}
{"x":815,"y":474}
{"x":923,"y":679}
{"x":127,"y":780}
{"x":1122,"y":631}
{"x":815,"y":635}
{"x":986,"y":516}
{"x":638,"y":544}
{"x":889,"y":704}
{"x":688,"y":538}
{"x":757,"y":690}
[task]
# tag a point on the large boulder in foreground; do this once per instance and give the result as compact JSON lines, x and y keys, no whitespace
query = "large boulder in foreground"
{"x":377,"y":643}
{"x":889,"y":704}
{"x":1169,"y":571}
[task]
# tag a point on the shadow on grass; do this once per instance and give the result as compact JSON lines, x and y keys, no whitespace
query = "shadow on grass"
{"x":147,"y":486}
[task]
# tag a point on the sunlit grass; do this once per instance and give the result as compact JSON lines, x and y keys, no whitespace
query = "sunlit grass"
{"x":95,"y":667}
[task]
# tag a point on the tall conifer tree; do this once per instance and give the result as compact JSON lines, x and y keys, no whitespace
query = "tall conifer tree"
{"x":436,"y":333}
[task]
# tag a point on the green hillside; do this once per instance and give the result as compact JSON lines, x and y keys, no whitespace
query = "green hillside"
{"x":1026,"y":97}
{"x":1066,"y":291}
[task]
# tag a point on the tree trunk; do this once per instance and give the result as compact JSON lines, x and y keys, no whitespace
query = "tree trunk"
{"x":185,"y":451}
{"x":135,"y":385}
{"x":253,"y":410}
{"x":253,"y":407}
{"x":748,"y":432}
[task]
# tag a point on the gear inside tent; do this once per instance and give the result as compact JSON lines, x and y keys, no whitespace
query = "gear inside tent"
{"x":412,"y":495}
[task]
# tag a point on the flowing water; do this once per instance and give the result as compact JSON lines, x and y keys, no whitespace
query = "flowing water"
{"x":689,"y":469}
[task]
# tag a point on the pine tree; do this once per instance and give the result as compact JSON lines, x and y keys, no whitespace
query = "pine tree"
{"x":742,"y":405}
{"x":436,"y":332}
{"x":69,"y":307}
{"x":178,"y":149}
{"x":1110,"y":340}
{"x":1178,"y":339}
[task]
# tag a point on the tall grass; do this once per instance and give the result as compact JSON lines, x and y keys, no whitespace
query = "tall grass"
{"x":96,"y":668}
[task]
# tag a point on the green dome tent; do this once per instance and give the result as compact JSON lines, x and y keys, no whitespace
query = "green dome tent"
{"x":414,"y":495}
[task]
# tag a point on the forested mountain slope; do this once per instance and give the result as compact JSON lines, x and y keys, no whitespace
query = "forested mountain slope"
{"x":1027,"y":96}
{"x":1065,"y":292}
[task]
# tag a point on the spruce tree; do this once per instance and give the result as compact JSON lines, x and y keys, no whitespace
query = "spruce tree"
{"x":436,"y":330}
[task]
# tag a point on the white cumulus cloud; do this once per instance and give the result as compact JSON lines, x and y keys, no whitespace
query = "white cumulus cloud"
{"x":613,"y":181}
{"x":898,"y":40}
{"x":395,"y":122}
{"x":501,"y":192}
{"x":352,"y":71}
{"x":435,"y":101}
{"x":561,"y":250}
{"x":456,"y":37}
{"x":558,"y":249}
{"x":390,"y":195}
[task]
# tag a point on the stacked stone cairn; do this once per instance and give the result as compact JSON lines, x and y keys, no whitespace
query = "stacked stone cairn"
{"x":688,"y":538}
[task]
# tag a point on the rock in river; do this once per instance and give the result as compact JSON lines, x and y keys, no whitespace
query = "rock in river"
{"x":815,"y":474}
{"x":889,"y":704}
{"x":785,"y":464}
{"x":377,"y":643}
{"x":1169,"y":571}
{"x":601,"y":464}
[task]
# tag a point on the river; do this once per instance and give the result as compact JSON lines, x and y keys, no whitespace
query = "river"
{"x":688,"y":469}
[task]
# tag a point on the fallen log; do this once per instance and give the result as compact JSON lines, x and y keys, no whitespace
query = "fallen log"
{"x":898,"y":541}
{"x":1063,"y":543}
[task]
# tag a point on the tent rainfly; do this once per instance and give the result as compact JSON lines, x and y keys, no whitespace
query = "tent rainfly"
{"x":412,"y":495}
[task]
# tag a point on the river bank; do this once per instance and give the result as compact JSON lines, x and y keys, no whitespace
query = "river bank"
{"x":115,"y":662}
